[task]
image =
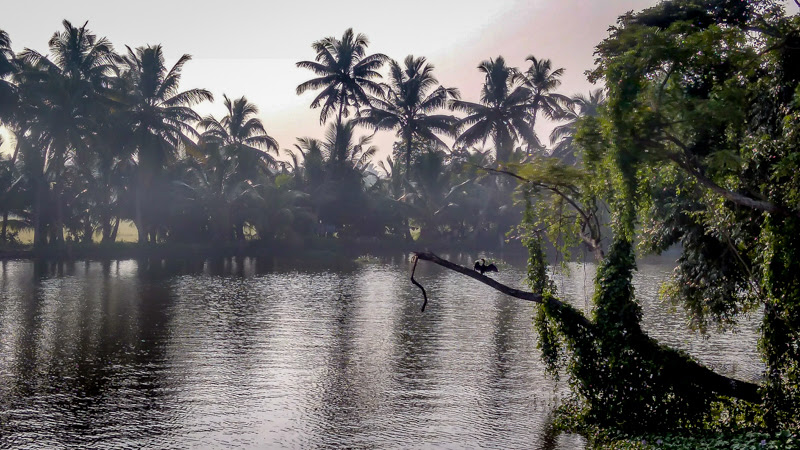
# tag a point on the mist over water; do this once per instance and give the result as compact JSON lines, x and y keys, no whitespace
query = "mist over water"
{"x":246,"y":353}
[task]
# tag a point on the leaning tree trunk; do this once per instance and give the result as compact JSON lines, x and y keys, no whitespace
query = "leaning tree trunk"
{"x":683,"y":371}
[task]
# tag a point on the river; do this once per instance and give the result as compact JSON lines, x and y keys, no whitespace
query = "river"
{"x":254,"y":353}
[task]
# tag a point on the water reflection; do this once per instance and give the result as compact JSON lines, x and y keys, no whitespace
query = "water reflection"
{"x":76,"y":356}
{"x":239,"y":352}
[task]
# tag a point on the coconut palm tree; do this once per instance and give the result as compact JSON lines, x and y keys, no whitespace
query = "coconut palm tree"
{"x":242,"y":137}
{"x":343,"y":151}
{"x":12,"y":193}
{"x":312,"y":171}
{"x":161,"y":118}
{"x":62,"y":98}
{"x":8,"y":66}
{"x":241,"y":145}
{"x":562,"y":136}
{"x":346,"y":74}
{"x":216,"y":185}
{"x":107,"y":170}
{"x":412,"y":94}
{"x":503,"y":113}
{"x":335,"y":168}
{"x":542,"y":80}
{"x":8,"y":101}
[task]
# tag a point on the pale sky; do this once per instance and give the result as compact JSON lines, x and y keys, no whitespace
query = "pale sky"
{"x":250,"y":47}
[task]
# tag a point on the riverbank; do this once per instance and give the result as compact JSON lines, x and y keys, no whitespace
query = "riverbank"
{"x":316,"y":248}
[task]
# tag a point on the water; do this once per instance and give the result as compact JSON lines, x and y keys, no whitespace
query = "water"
{"x":247,"y":353}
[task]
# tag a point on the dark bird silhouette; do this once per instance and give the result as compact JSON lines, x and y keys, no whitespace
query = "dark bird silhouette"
{"x":481,"y":266}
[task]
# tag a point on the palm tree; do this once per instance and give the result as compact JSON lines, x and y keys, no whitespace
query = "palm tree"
{"x":542,"y":80}
{"x":161,"y":115}
{"x":346,"y":74}
{"x":563,"y":135}
{"x":215,"y":184}
{"x":106,"y":171}
{"x":312,"y":170}
{"x":242,"y":137}
{"x":335,"y":168}
{"x":343,"y":152}
{"x":11,"y":191}
{"x":62,"y":98}
{"x":503,"y":113}
{"x":407,"y":105}
{"x":241,"y":143}
{"x":7,"y":67}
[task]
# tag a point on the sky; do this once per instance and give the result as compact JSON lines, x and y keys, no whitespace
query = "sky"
{"x":249,"y":47}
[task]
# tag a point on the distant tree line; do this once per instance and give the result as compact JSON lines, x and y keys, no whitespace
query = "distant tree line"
{"x":103,"y":137}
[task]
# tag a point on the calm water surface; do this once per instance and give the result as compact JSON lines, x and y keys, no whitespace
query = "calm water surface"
{"x":245,"y":353}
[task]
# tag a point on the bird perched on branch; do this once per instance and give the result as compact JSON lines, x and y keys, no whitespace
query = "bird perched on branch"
{"x":481,"y":266}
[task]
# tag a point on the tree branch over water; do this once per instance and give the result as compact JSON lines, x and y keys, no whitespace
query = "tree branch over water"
{"x":677,"y":365}
{"x":494,"y":284}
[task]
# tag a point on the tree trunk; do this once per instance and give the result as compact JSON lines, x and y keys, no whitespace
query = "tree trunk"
{"x":408,"y":157}
{"x":39,"y":236}
{"x":106,"y":228}
{"x":240,"y":231}
{"x":682,"y":368}
{"x":342,"y":100}
{"x":105,"y":219}
{"x":5,"y":212}
{"x":58,"y":224}
{"x":88,"y":231}
{"x":5,"y":225}
{"x":138,"y":216}
{"x":114,"y":230}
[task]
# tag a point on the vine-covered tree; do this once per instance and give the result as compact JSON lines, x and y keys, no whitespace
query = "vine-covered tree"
{"x":697,"y":144}
{"x":563,"y":136}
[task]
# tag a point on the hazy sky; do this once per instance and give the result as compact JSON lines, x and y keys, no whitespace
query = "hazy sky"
{"x":250,"y":47}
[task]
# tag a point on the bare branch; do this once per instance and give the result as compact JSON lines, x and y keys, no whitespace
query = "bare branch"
{"x":424,"y":294}
{"x":494,"y":284}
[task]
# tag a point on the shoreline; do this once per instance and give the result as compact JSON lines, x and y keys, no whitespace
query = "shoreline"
{"x":320,"y":248}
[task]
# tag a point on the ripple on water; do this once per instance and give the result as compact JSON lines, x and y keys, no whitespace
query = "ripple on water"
{"x":234,"y":354}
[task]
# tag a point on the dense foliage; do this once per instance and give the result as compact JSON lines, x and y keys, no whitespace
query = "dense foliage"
{"x":102,"y":138}
{"x":696,"y":146}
